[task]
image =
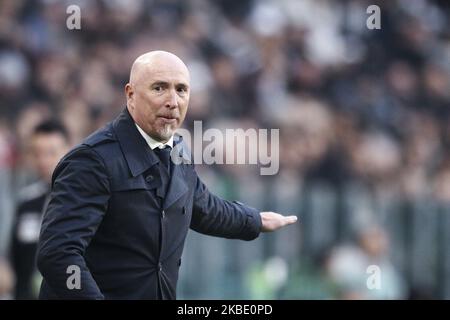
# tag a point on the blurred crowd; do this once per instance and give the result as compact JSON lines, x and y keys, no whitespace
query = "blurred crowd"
{"x":364,"y":119}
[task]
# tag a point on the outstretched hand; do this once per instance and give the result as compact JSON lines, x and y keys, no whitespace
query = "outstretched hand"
{"x":272,"y":221}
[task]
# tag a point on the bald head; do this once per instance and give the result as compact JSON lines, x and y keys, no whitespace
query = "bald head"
{"x":153,"y":61}
{"x":158,"y":93}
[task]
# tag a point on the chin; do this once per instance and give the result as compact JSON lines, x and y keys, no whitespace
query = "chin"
{"x":166,"y":133}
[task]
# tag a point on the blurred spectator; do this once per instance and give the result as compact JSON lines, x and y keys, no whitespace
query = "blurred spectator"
{"x":348,"y":265}
{"x":7,"y":158}
{"x":48,"y":142}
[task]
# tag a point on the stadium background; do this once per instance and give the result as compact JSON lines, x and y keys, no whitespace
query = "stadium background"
{"x":363,"y":117}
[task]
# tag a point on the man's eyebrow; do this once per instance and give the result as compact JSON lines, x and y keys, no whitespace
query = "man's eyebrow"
{"x":160,"y":83}
{"x":182,"y":85}
{"x":165,"y":84}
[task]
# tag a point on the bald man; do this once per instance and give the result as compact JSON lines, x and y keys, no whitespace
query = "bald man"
{"x":120,"y":210}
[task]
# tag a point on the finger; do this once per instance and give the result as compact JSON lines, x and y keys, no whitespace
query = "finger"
{"x":290,"y":219}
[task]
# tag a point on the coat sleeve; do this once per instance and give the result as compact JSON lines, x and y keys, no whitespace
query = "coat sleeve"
{"x":214,"y":216}
{"x":78,"y":202}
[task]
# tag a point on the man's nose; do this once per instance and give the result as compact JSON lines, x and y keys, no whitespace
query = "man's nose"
{"x":172,"y":101}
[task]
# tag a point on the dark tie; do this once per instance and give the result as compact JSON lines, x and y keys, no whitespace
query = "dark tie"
{"x":164,"y":156}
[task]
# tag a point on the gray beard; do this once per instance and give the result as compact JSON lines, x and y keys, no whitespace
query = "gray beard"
{"x":166,"y":132}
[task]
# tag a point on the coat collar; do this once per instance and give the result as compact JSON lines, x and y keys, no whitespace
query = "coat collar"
{"x":140,"y":157}
{"x":137,"y":153}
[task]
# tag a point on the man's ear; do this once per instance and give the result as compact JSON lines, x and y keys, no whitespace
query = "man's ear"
{"x":129,"y":92}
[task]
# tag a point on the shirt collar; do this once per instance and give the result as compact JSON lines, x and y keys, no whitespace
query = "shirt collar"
{"x":152,"y":143}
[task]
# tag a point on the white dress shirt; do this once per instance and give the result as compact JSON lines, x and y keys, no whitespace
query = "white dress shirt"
{"x":152,"y":143}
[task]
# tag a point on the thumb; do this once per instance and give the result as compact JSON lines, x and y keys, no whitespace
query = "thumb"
{"x":290,"y":219}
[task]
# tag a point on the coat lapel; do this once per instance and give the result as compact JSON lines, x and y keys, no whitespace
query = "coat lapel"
{"x":141,"y":158}
{"x":134,"y":147}
{"x":177,"y":186}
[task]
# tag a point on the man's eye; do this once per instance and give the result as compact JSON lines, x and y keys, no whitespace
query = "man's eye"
{"x":157,"y":88}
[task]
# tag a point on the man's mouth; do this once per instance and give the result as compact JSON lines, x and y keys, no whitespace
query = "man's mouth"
{"x":168,"y":118}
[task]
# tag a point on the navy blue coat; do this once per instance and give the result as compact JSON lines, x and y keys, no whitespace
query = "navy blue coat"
{"x":116,"y":215}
